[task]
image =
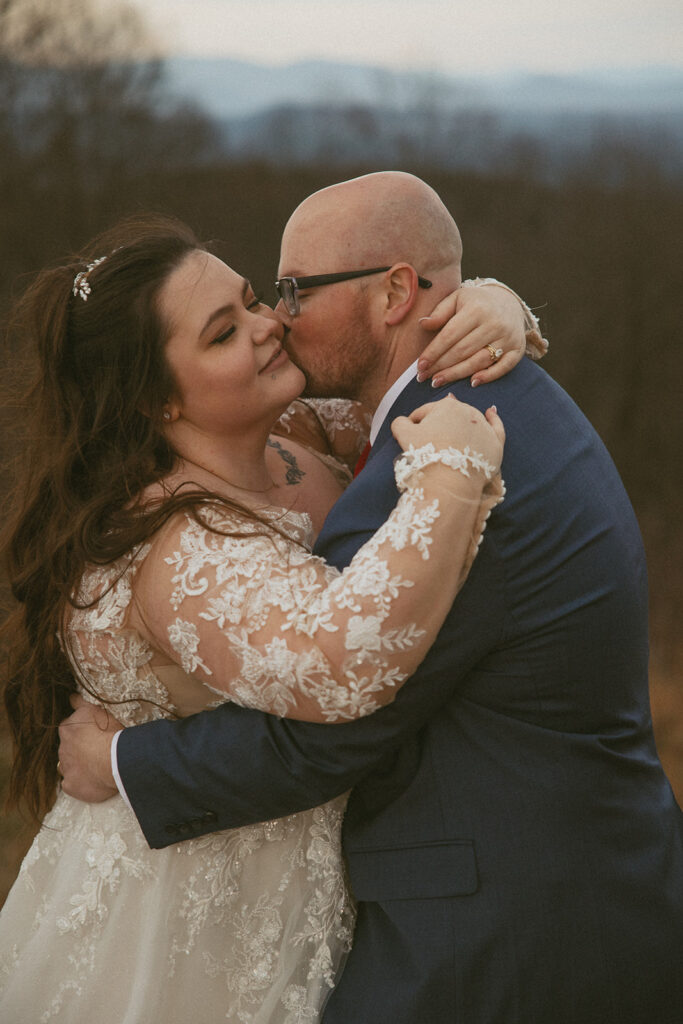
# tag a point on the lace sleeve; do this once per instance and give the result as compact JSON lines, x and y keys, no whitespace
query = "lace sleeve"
{"x":257,"y":617}
{"x":331,"y":426}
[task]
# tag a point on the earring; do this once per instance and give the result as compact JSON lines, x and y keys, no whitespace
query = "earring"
{"x":167,"y":415}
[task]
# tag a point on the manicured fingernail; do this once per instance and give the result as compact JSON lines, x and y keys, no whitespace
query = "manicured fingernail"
{"x":437,"y":382}
{"x":423,"y":318}
{"x":420,"y":377}
{"x":475,"y":382}
{"x":492,"y":408}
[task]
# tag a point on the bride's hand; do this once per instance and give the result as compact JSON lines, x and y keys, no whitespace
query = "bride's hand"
{"x":473,"y":324}
{"x":449,"y":423}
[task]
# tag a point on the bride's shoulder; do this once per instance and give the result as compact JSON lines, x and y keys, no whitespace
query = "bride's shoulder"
{"x":330,"y":426}
{"x":308,"y":481}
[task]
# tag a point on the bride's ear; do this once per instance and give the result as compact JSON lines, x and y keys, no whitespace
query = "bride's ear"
{"x":170,"y":413}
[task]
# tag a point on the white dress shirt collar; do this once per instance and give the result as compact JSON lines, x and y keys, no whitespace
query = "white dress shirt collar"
{"x":389,"y":399}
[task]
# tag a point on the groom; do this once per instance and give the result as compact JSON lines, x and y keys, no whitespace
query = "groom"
{"x":514,"y":847}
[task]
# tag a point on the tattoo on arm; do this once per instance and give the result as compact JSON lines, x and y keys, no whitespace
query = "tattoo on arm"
{"x":294,"y":473}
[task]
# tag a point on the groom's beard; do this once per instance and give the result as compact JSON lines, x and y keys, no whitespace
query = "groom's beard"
{"x":285,"y":344}
{"x":341,"y":365}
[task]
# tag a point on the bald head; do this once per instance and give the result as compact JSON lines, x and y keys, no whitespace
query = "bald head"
{"x":354,"y":338}
{"x":376,"y":220}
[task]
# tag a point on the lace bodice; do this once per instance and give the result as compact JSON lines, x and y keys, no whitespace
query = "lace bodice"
{"x":115,"y":663}
{"x":223,"y":606}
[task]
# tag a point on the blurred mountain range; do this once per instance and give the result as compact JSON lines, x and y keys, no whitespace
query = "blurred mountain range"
{"x":231,"y":88}
{"x":347,"y":113}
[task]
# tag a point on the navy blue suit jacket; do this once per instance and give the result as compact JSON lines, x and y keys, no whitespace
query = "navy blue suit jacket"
{"x":514,"y":846}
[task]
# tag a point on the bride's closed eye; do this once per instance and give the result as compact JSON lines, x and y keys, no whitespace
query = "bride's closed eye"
{"x":224,"y":335}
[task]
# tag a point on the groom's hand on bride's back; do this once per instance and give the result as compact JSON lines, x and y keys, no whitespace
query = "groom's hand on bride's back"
{"x":85,"y":752}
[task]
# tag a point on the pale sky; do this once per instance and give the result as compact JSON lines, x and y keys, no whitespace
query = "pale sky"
{"x":449,"y":35}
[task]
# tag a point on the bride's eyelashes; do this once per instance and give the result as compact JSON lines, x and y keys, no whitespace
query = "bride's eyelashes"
{"x":224,"y":335}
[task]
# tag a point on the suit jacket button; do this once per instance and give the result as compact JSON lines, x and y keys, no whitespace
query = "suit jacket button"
{"x":197,"y":824}
{"x":185,"y":828}
{"x":171,"y":830}
{"x":209,"y":817}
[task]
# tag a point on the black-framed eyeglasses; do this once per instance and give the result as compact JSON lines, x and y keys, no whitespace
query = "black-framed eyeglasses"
{"x":289,"y":287}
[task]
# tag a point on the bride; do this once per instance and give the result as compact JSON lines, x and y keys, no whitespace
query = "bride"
{"x":160,"y":557}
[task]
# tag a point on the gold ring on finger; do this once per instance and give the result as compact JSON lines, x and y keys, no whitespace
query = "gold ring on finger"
{"x":495,"y":353}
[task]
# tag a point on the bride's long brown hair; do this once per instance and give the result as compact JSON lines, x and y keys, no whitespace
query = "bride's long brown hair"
{"x":93,"y":443}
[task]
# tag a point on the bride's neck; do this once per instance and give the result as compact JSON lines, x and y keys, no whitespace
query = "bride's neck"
{"x":240,"y":463}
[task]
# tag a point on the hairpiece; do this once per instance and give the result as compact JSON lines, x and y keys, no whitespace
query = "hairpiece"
{"x":81,"y":284}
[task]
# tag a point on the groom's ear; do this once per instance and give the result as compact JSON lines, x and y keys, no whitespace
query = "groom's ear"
{"x":401,"y":290}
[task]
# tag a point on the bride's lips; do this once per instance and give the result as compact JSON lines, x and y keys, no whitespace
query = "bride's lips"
{"x":278,"y":357}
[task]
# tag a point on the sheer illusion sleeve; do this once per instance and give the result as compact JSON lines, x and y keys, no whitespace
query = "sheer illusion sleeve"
{"x":255,"y":616}
{"x":335,"y":427}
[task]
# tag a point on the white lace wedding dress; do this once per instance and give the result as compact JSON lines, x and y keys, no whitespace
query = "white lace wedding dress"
{"x":250,"y":925}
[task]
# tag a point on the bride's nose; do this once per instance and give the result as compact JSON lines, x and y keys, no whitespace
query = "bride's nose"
{"x":268,"y":326}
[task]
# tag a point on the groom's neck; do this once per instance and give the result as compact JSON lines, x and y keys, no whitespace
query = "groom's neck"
{"x":400,"y":354}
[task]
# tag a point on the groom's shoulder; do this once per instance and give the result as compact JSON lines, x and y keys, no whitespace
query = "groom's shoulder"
{"x":525,"y":377}
{"x":527,"y":393}
{"x":547,"y":435}
{"x":538,"y":413}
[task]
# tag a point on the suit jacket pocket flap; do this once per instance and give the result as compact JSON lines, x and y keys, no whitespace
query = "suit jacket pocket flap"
{"x":428,"y":871}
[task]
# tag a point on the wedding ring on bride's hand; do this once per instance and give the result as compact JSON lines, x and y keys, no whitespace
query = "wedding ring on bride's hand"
{"x":495,"y":353}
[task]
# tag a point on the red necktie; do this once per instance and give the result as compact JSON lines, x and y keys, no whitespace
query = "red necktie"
{"x":363,"y":458}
